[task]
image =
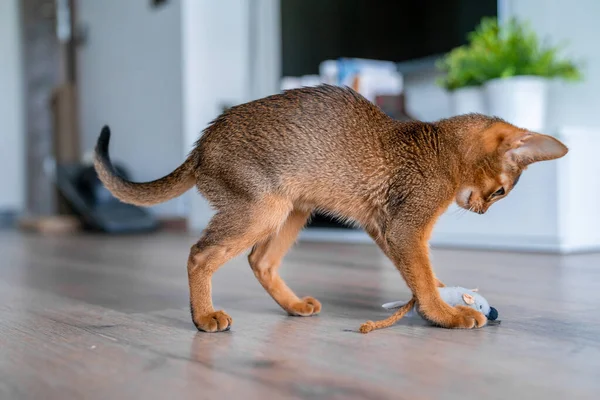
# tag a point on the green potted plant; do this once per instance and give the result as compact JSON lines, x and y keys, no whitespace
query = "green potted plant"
{"x":514,"y":68}
{"x":462,"y":80}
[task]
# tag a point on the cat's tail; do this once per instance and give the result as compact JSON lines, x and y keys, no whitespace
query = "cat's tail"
{"x":143,"y":193}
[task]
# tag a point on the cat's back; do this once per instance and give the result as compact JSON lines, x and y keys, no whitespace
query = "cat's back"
{"x":304,"y":142}
{"x":305,"y":136}
{"x":309,"y":115}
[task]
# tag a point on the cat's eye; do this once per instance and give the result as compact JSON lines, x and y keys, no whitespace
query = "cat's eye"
{"x":499,"y":192}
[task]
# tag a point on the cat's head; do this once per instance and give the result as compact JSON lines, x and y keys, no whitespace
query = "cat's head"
{"x":497,"y":156}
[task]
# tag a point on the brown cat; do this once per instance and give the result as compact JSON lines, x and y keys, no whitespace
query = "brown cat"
{"x":265,"y":166}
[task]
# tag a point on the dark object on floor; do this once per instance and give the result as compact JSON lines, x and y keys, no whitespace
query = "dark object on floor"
{"x":98,"y":209}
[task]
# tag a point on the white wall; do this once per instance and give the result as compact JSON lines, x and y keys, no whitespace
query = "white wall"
{"x":265,"y":47}
{"x":12,"y":131}
{"x":216,"y":67}
{"x":130,"y":78}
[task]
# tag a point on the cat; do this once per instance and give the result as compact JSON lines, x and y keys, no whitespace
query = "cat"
{"x":265,"y":166}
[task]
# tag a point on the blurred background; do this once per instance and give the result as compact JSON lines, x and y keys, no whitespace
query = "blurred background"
{"x":157,"y":71}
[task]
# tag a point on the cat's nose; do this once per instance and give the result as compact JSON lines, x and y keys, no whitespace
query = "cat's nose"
{"x":493,"y":315}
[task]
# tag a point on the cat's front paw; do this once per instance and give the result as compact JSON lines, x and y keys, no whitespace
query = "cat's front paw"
{"x":217,"y":321}
{"x":467,"y":318}
{"x":459,"y":317}
{"x":306,"y":307}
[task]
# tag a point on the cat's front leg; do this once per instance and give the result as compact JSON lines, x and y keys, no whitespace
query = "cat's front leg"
{"x":405,"y":243}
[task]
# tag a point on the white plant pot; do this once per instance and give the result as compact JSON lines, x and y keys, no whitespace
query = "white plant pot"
{"x":520,"y":100}
{"x":468,"y":100}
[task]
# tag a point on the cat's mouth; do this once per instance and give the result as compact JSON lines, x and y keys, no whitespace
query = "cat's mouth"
{"x":465,"y":200}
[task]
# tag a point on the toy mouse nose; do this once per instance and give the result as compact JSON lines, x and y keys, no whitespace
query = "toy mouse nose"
{"x":493,"y":315}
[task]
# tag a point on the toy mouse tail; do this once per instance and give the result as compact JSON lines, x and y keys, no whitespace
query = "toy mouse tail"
{"x":394,"y":305}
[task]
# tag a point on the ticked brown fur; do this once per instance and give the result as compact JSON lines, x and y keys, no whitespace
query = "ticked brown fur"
{"x":265,"y":166}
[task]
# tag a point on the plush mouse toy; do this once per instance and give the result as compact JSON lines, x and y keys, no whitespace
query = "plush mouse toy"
{"x":455,"y":296}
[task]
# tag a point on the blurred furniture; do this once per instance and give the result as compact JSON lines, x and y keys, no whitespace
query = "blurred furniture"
{"x":66,"y":148}
{"x":42,"y":70}
{"x":96,"y":207}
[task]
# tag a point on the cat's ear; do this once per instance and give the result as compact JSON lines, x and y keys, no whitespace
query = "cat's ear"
{"x":528,"y":148}
{"x":520,"y":146}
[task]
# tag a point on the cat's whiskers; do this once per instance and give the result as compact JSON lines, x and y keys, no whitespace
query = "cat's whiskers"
{"x":459,"y":212}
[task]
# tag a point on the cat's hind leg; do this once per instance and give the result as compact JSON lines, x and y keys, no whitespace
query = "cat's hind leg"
{"x":232,"y":230}
{"x":265,"y":260}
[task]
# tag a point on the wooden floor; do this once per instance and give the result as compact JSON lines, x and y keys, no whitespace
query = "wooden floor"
{"x":107,"y":318}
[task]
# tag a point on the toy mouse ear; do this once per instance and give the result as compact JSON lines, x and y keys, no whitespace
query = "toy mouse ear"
{"x":468,"y":299}
{"x":475,"y":290}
